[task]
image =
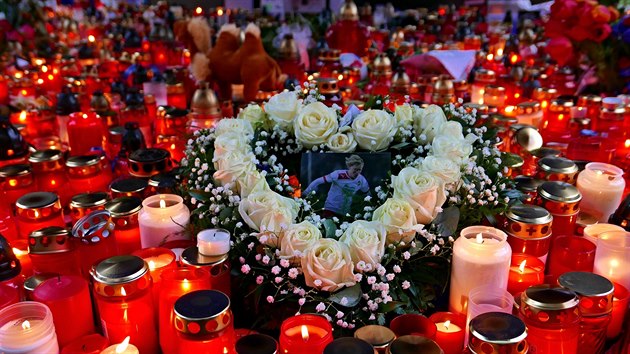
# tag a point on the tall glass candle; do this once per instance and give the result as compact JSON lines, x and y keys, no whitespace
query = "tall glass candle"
{"x":413,"y":324}
{"x":15,"y":181}
{"x":163,"y":218}
{"x":158,"y":260}
{"x":122,"y":287}
{"x":52,"y":251}
{"x":88,"y":344}
{"x":562,"y":200}
{"x":601,"y":186}
{"x":27,"y":328}
{"x":95,"y":235}
{"x":621,"y":295}
{"x":124,"y":212}
{"x":305,"y":333}
{"x":483,"y":77}
{"x":84,"y":203}
{"x":568,"y":254}
{"x":68,"y":298}
{"x":525,"y":271}
{"x":86,"y":174}
{"x":218,"y":267}
{"x":50,"y":173}
{"x":592,"y":232}
{"x":612,"y":257}
{"x":529,"y":230}
{"x":37,"y":210}
{"x":204,"y":323}
{"x":86,"y":133}
{"x":450,"y":331}
{"x":481,"y":256}
{"x":487,"y":298}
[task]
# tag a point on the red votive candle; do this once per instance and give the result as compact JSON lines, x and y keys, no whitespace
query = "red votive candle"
{"x":68,"y":298}
{"x":525,"y":271}
{"x":621,"y":295}
{"x":218,"y":267}
{"x":305,"y":333}
{"x":51,"y":250}
{"x":50,"y":173}
{"x":85,"y":203}
{"x":175,"y":283}
{"x":95,"y":235}
{"x":124,"y":212}
{"x":37,"y":210}
{"x":20,"y":250}
{"x":413,"y":324}
{"x":450,"y":331}
{"x":87,"y":174}
{"x":88,"y":344}
{"x":158,"y":260}
{"x":15,"y":181}
{"x":8,"y":295}
{"x":568,"y":254}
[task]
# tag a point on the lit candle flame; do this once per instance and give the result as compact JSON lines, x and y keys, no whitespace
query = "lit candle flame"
{"x":91,"y":38}
{"x":627,"y":143}
{"x":151,"y":265}
{"x":162,"y":204}
{"x":225,"y":351}
{"x":18,"y":75}
{"x":509,"y":109}
{"x":521,"y":267}
{"x":44,"y":69}
{"x":173,"y":146}
{"x":85,"y":116}
{"x":499,"y":52}
{"x":18,"y":252}
{"x":198,"y":10}
{"x":447,"y":324}
{"x":50,"y":77}
{"x":120,"y":348}
{"x":479,"y":238}
{"x":305,"y":335}
{"x":340,"y":77}
{"x":23,"y":116}
{"x":185,"y":284}
{"x":513,"y":58}
{"x":122,"y":291}
{"x":490,"y":57}
{"x":220,"y":12}
{"x":26,"y":325}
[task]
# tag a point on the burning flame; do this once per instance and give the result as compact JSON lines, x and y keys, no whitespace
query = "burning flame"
{"x":173,"y":146}
{"x":151,"y":265}
{"x":18,"y":75}
{"x":490,"y":57}
{"x":447,"y":324}
{"x":340,"y":77}
{"x":18,"y":252}
{"x":122,"y":291}
{"x":499,"y":52}
{"x":91,"y":38}
{"x":225,"y":351}
{"x":44,"y":69}
{"x":627,"y":143}
{"x":513,"y":58}
{"x":479,"y":238}
{"x":23,"y":116}
{"x":198,"y":10}
{"x":517,"y":95}
{"x":162,"y":204}
{"x":521,"y":267}
{"x":305,"y":335}
{"x":85,"y":116}
{"x":50,"y":77}
{"x":509,"y":109}
{"x":13,"y":182}
{"x":220,"y":12}
{"x":26,"y":325}
{"x":185,"y":285}
{"x":120,"y":348}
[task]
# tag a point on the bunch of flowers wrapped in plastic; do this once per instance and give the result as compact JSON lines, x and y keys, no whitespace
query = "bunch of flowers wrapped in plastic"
{"x":391,"y":255}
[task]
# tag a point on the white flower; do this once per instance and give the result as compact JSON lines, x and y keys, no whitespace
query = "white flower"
{"x":342,"y":141}
{"x":406,"y":284}
{"x":446,"y":169}
{"x":254,"y":114}
{"x":366,"y":240}
{"x":236,"y":126}
{"x":424,"y":192}
{"x":320,"y":307}
{"x":399,"y":218}
{"x":232,"y":166}
{"x":452,"y":129}
{"x":447,"y":147}
{"x":296,"y":238}
{"x":283,"y":108}
{"x":230,"y":142}
{"x":427,"y":121}
{"x":374,"y":129}
{"x":328,"y":261}
{"x":315,"y":124}
{"x":268,"y":211}
{"x":403,"y":114}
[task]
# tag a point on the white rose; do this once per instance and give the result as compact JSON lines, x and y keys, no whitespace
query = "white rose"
{"x":268,"y":211}
{"x":251,"y":182}
{"x":233,"y":125}
{"x":451,"y":129}
{"x":342,"y":141}
{"x":404,"y":114}
{"x":427,"y":121}
{"x":231,"y":142}
{"x":399,"y":219}
{"x":423,"y":191}
{"x":366,"y":240}
{"x":315,"y":124}
{"x":254,"y":114}
{"x":446,"y":169}
{"x":374,"y":129}
{"x":446,"y":147}
{"x":328,"y":261}
{"x":232,"y":166}
{"x":283,"y":108}
{"x":297,"y":238}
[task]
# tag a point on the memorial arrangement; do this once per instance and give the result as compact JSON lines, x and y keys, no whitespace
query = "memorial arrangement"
{"x":376,"y":180}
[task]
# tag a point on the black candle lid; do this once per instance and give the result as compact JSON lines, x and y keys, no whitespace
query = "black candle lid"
{"x":256,"y":344}
{"x":412,"y":344}
{"x":45,"y":156}
{"x":554,"y":164}
{"x":202,"y":312}
{"x":543,"y":297}
{"x":67,"y":102}
{"x":14,"y":170}
{"x":349,"y":345}
{"x":129,"y":185}
{"x":9,"y":264}
{"x":529,"y":214}
{"x":12,"y":143}
{"x":37,"y":200}
{"x":544,"y":152}
{"x":163,"y":180}
{"x":498,"y":327}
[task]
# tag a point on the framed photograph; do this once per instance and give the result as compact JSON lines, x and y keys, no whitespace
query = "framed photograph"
{"x":339,"y":183}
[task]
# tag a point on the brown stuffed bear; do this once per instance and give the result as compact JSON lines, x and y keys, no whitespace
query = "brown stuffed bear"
{"x":231,"y":62}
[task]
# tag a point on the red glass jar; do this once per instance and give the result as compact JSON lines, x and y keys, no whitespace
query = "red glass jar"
{"x":592,"y":104}
{"x":171,"y":121}
{"x":498,"y":332}
{"x":530,"y":167}
{"x":611,"y":119}
{"x":562,"y":200}
{"x":529,"y":187}
{"x":529,"y":230}
{"x":204,"y":323}
{"x":85,"y":133}
{"x":568,"y":254}
{"x":329,"y":88}
{"x":176,"y":96}
{"x":86,"y":174}
{"x":218,"y":266}
{"x":129,"y":187}
{"x":95,"y":235}
{"x":552,"y":168}
{"x":557,"y":116}
{"x":122,"y":288}
{"x":552,"y":319}
{"x":8,"y":227}
{"x":16,"y":181}
{"x":50,"y":174}
{"x":293,"y":342}
{"x":113,"y":142}
{"x":124,"y":212}
{"x":37,"y":210}
{"x":175,"y":283}
{"x":52,"y":251}
{"x":85,"y":203}
{"x":138,"y":115}
{"x":596,"y":302}
{"x":483,"y":77}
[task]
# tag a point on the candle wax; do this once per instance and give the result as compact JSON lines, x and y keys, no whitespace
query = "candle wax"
{"x":19,"y":326}
{"x":452,"y":328}
{"x":313,"y":332}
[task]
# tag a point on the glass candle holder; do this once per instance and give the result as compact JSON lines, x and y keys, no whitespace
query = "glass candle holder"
{"x":171,"y":121}
{"x":302,"y":333}
{"x":610,"y":119}
{"x":124,"y":212}
{"x":122,"y":288}
{"x":413,"y":324}
{"x":176,"y":282}
{"x":85,"y":203}
{"x":204,"y":323}
{"x":592,"y":231}
{"x":530,"y":168}
{"x":562,"y":200}
{"x":20,"y":250}
{"x":95,"y":235}
{"x":529,"y":230}
{"x":85,"y":133}
{"x":450,"y":331}
{"x":218,"y":267}
{"x":37,"y":210}
{"x":68,"y":298}
{"x":52,"y":251}
{"x":592,"y":104}
{"x":529,"y":112}
{"x":483,"y":77}
{"x":481,"y":256}
{"x":176,"y":96}
{"x":50,"y":174}
{"x":163,"y":183}
{"x":379,"y":337}
{"x":553,"y":168}
{"x":86,"y":174}
{"x":16,"y":181}
{"x":529,"y":187}
{"x":163,"y":218}
{"x":498,"y":332}
{"x":557,"y":116}
{"x":88,"y":344}
{"x":414,"y":344}
{"x":602,"y":186}
{"x":621,"y":295}
{"x":27,"y":327}
{"x":145,"y":163}
{"x":570,"y":253}
{"x":611,"y":257}
{"x":494,"y":96}
{"x":485,"y":299}
{"x":158,"y":260}
{"x":128,"y":187}
{"x":525,"y":271}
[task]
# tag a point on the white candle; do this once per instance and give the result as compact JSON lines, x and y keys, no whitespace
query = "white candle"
{"x":601,"y":186}
{"x":121,"y":348}
{"x":213,"y":242}
{"x":481,"y":256}
{"x":447,"y":327}
{"x":612,"y":257}
{"x":163,"y":218}
{"x":27,"y":328}
{"x":592,"y":232}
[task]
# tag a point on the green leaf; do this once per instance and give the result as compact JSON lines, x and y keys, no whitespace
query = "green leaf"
{"x":352,"y":295}
{"x":390,"y":306}
{"x":199,"y":195}
{"x":446,"y":222}
{"x":330,"y":228}
{"x":225,"y":213}
{"x":401,"y":146}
